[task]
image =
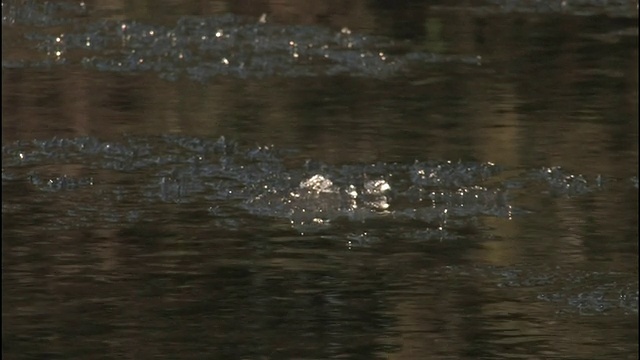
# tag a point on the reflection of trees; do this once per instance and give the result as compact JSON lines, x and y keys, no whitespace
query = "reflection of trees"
{"x":545,"y":95}
{"x":148,"y":290}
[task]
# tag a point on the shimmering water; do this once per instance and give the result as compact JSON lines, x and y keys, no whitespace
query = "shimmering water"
{"x":357,"y":180}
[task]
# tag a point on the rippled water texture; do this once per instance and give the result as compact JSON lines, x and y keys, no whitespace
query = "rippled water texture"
{"x":354,"y":180}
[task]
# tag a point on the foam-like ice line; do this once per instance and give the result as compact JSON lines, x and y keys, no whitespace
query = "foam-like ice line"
{"x":201,"y":48}
{"x":255,"y":180}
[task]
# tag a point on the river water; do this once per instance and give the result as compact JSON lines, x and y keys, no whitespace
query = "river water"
{"x":298,"y":180}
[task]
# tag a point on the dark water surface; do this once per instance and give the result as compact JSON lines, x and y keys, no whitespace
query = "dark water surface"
{"x":351,"y":179}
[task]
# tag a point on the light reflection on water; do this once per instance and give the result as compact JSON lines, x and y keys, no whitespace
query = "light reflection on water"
{"x":438,"y":209}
